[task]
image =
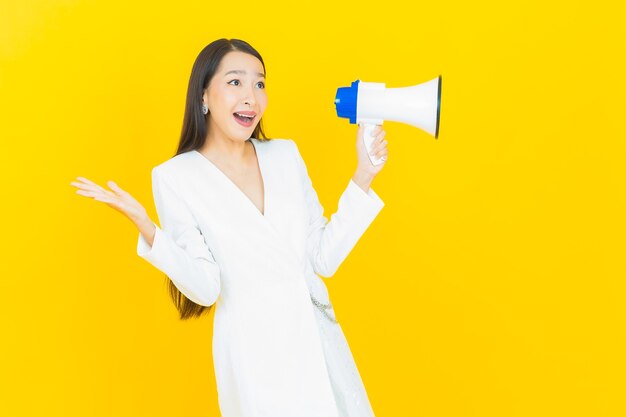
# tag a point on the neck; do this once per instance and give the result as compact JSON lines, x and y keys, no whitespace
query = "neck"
{"x":220,"y":147}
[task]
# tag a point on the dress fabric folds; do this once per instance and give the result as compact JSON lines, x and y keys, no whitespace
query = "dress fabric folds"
{"x":275,"y":353}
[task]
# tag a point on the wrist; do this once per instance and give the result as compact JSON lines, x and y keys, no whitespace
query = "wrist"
{"x":363,"y":179}
{"x":142,"y":220}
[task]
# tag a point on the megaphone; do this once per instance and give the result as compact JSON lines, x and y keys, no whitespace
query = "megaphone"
{"x":371,"y":104}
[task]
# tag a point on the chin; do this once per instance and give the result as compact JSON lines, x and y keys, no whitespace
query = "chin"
{"x":239,"y":136}
{"x":244,"y":134}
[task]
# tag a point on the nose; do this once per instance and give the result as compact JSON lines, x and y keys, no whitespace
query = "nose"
{"x":249,"y":98}
{"x":249,"y":101}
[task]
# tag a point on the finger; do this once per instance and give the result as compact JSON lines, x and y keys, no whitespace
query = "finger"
{"x":94,"y":188}
{"x":78,"y":184}
{"x":84,"y":186}
{"x":86,"y":180}
{"x":115,"y":187}
{"x":374,"y":131}
{"x":96,"y":195}
{"x":380,"y":146}
{"x":381,"y":153}
{"x":90,"y":193}
{"x":105,"y":200}
{"x":378,"y":138}
{"x":92,"y":185}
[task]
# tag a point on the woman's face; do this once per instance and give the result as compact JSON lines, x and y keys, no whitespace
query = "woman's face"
{"x":238,"y":86}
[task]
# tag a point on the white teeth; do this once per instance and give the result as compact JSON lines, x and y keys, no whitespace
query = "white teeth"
{"x":243,"y":115}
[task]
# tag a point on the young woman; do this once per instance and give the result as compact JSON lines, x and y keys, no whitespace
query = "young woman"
{"x":243,"y":229}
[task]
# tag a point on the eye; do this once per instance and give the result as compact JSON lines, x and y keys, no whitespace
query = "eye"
{"x":232,"y":81}
{"x":262,"y":83}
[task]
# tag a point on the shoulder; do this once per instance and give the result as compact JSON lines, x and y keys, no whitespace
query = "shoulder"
{"x":175,"y":168}
{"x":283,"y":148}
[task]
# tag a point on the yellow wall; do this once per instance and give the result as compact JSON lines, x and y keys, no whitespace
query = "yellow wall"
{"x":491,"y":284}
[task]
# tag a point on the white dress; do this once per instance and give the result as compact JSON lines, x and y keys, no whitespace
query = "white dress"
{"x":275,"y":353}
{"x":348,"y":388}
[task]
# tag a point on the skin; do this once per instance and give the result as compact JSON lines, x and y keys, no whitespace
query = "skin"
{"x":228,"y":93}
{"x":226,"y":144}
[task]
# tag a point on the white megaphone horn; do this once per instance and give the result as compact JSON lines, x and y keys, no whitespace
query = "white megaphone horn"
{"x":371,"y":104}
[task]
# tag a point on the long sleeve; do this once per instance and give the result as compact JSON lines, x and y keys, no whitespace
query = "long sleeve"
{"x":179,"y":249}
{"x":330,"y":242}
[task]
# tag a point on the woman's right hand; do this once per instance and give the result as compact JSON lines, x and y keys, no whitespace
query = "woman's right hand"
{"x":118,"y":199}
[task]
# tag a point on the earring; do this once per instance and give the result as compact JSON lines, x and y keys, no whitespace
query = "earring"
{"x":205,"y":108}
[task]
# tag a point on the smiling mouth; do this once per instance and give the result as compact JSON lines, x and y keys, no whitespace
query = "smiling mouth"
{"x":243,"y":119}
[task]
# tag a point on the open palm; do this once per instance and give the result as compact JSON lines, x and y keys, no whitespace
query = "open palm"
{"x":118,"y":199}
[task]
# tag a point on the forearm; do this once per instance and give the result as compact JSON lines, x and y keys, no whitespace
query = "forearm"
{"x":189,"y":265}
{"x":329,"y":243}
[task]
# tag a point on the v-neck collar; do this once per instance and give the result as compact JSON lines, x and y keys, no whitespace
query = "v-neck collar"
{"x":236,"y":187}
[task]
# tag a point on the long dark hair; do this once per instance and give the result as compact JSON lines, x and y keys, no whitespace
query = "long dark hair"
{"x":194,"y":132}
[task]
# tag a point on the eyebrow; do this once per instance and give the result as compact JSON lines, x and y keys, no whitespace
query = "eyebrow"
{"x":243,"y":72}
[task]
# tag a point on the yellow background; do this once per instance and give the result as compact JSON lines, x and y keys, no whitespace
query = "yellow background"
{"x":491,"y":284}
